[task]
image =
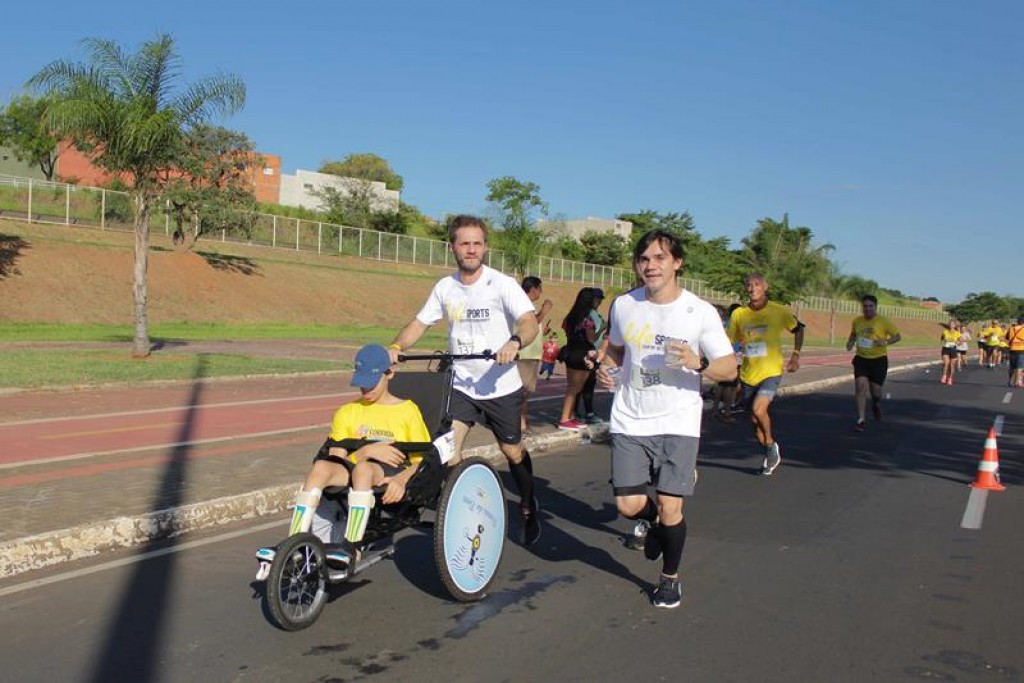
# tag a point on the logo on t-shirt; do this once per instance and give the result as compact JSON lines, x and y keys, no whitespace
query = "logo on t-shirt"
{"x":459,"y":312}
{"x":369,"y":433}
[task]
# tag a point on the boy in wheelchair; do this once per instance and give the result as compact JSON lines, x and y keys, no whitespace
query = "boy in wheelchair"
{"x":380,"y":417}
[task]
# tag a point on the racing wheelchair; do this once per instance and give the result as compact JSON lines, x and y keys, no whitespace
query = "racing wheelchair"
{"x":465,"y":505}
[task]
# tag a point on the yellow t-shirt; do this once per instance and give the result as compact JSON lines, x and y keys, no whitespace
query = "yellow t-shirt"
{"x":379,"y":422}
{"x":760,"y":333}
{"x":996,"y":335}
{"x":867,"y":334}
{"x":950,"y":338}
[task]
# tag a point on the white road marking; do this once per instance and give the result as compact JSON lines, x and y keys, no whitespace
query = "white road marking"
{"x":113,"y":564}
{"x":1008,"y":397}
{"x":998,"y":424}
{"x":974,"y":513}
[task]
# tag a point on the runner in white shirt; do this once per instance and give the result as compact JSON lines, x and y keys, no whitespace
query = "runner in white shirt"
{"x":661,"y":338}
{"x":486,"y":311}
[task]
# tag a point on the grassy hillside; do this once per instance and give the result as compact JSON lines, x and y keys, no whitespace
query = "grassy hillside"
{"x":74,"y":276}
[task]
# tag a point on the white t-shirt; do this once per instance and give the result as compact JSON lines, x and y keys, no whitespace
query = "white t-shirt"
{"x":481,"y":317}
{"x":654,"y":399}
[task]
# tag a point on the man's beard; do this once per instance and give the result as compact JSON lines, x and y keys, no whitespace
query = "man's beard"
{"x":469,"y":270}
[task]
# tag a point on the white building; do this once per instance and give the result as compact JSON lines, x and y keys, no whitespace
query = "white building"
{"x":577,"y":227}
{"x":301,"y":190}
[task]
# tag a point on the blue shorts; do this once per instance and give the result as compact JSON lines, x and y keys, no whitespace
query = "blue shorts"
{"x":766,"y":390}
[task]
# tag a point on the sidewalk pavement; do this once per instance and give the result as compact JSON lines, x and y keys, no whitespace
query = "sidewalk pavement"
{"x":61,"y":511}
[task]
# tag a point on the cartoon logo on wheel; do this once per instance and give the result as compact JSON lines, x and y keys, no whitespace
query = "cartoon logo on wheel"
{"x":466,"y":556}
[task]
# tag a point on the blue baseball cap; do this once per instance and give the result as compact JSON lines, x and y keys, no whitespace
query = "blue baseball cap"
{"x":372,"y":361}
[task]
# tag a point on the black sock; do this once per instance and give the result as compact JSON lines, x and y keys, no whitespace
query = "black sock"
{"x":673,"y":538}
{"x":522,"y":472}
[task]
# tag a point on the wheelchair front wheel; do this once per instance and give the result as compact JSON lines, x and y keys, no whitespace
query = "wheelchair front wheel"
{"x":297,"y":582}
{"x":469,"y":534}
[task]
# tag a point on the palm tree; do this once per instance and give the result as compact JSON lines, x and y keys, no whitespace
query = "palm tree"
{"x":131,"y":113}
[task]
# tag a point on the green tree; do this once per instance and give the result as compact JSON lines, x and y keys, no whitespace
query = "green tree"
{"x":517,"y":206}
{"x":130,"y":112}
{"x":211,"y":187}
{"x":787,"y":257}
{"x":981,"y":306}
{"x":24,"y":131}
{"x":365,"y":166}
{"x":603,"y":248}
{"x":835,"y":286}
{"x":680,"y":224}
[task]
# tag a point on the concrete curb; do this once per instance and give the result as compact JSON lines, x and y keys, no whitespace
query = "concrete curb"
{"x":64,"y":545}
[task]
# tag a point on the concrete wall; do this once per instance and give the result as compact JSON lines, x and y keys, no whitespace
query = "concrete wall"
{"x":577,"y":227}
{"x":9,"y":165}
{"x":299,"y":189}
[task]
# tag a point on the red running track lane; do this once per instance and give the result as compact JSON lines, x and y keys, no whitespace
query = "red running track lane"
{"x":58,"y":439}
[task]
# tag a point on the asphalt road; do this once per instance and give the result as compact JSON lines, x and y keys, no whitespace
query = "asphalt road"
{"x":848,"y":565}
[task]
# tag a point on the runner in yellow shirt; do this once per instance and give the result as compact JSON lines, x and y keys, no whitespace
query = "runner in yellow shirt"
{"x":1015,"y":341}
{"x":758,"y":326}
{"x":949,"y":339}
{"x":872,"y":334}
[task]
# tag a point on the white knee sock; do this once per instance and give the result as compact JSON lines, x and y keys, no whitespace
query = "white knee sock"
{"x":359,"y":505}
{"x":305,"y":506}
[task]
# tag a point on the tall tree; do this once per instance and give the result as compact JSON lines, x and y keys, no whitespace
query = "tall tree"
{"x":211,"y":188}
{"x":787,"y":257}
{"x":981,"y":306}
{"x":517,"y":206}
{"x":365,"y":166}
{"x":24,"y":131}
{"x":130,"y":111}
{"x":680,"y":224}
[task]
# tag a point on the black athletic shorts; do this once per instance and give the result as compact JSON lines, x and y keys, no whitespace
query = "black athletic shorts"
{"x":875,"y":369}
{"x":500,"y":415}
{"x":951,"y":352}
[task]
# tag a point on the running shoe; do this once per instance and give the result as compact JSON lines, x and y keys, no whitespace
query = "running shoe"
{"x":637,"y":540}
{"x":859,"y":426}
{"x":531,"y":526}
{"x":572,"y":425}
{"x":592,"y":419}
{"x":668,"y":594}
{"x":772,"y":459}
{"x":652,"y":543}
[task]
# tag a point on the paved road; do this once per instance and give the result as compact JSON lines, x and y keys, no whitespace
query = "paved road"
{"x":848,"y":565}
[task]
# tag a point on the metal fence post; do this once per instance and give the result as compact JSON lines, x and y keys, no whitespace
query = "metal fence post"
{"x":67,"y":204}
{"x":273,"y":234}
{"x":29,"y":200}
{"x":103,"y":210}
{"x":319,"y":236}
{"x":296,"y":234}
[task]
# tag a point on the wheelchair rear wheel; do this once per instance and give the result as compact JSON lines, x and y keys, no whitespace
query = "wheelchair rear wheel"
{"x":297,"y":583}
{"x":469,"y":534}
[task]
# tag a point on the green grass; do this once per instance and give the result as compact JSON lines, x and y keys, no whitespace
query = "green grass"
{"x":186,"y":331}
{"x":29,"y":368}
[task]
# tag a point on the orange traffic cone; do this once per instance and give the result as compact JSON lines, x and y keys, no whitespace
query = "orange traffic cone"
{"x":988,"y":468}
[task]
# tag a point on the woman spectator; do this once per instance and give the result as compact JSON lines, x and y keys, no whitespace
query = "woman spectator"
{"x":580,"y":334}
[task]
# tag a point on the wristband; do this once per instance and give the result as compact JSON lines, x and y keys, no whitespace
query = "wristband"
{"x":704,"y":363}
{"x":515,"y":338}
{"x":796,"y":352}
{"x":396,"y":347}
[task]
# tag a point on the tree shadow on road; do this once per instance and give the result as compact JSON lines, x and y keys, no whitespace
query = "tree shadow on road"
{"x":132,"y":648}
{"x":11,"y":248}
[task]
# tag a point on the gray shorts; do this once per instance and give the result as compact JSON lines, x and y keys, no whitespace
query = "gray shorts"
{"x":669,"y":462}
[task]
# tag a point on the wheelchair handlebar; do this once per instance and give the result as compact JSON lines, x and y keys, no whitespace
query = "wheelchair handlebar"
{"x":448,"y":357}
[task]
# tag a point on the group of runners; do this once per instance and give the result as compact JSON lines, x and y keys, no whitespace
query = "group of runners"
{"x":661,"y":340}
{"x":998,"y":345}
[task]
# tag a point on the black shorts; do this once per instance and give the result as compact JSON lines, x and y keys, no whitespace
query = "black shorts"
{"x":576,"y":359}
{"x":500,"y":415}
{"x":946,"y":351}
{"x":389,"y":470}
{"x":875,"y":369}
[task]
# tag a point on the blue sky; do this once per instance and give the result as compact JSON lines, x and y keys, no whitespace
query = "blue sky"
{"x":891,"y":128}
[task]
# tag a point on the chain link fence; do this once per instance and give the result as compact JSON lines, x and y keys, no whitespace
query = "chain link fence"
{"x":37,"y":201}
